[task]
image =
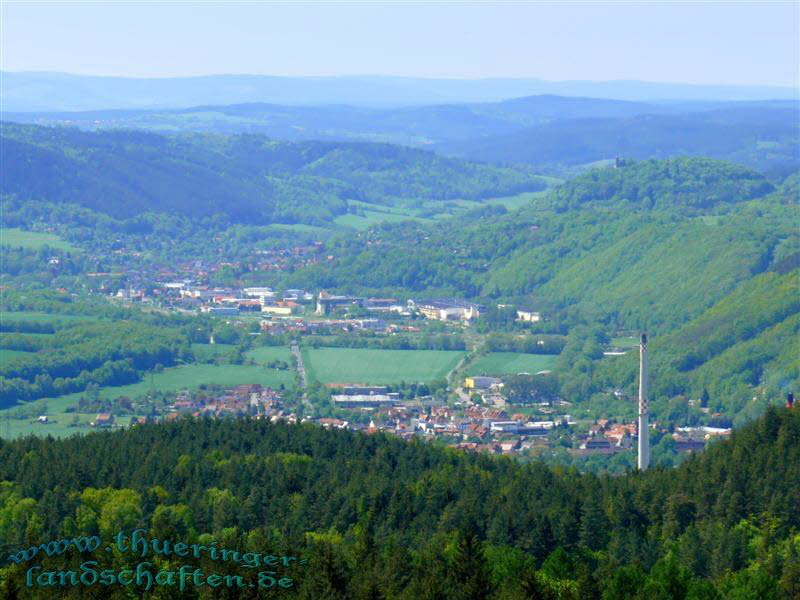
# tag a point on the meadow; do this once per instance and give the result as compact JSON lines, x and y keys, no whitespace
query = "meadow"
{"x":205,"y":352}
{"x":625,"y":342}
{"x":430,"y":211}
{"x":267,"y":354}
{"x":41,"y":317}
{"x":7,"y":355}
{"x":19,"y":238}
{"x":58,"y":425}
{"x":364,"y":365}
{"x":512,"y":363}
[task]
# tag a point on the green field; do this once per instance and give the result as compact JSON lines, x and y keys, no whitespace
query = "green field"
{"x":515,"y":202}
{"x":363,"y":365}
{"x":34,"y":240}
{"x":27,"y":334}
{"x":370,"y":218}
{"x":266,"y":354}
{"x":7,"y":355}
{"x":511,"y":363}
{"x":205,"y":352}
{"x":40,"y":317}
{"x":625,"y":342}
{"x":58,"y":425}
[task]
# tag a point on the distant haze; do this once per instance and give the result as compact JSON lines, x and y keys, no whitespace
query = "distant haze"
{"x":27,"y":92}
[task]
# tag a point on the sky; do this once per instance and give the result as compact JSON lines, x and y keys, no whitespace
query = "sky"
{"x":690,"y":42}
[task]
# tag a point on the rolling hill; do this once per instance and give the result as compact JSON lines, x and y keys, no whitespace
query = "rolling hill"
{"x":764,"y":138}
{"x":685,"y":249}
{"x":247,"y":178}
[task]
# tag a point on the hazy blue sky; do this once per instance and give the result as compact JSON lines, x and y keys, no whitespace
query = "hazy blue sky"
{"x":709,"y":42}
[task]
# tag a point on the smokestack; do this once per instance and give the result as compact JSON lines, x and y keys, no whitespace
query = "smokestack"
{"x":643,"y":460}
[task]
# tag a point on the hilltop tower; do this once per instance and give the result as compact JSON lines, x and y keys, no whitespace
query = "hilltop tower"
{"x":643,"y":460}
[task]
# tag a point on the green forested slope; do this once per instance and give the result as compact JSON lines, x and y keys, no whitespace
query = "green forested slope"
{"x":741,"y":351}
{"x":649,"y":245}
{"x":377,"y":517}
{"x":246,"y":178}
{"x":700,"y":254}
{"x":763,"y":139}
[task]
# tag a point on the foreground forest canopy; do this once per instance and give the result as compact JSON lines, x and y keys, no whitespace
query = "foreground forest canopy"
{"x":376,"y":517}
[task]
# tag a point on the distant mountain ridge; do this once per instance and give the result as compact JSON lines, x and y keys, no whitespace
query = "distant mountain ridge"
{"x":44,"y":91}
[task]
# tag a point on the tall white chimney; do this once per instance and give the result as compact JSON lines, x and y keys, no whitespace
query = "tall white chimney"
{"x":644,"y":432}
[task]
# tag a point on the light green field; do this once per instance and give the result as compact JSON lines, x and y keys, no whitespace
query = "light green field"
{"x":300,"y":227}
{"x":40,"y":317}
{"x":625,"y":342}
{"x":511,"y":363}
{"x":206,"y":351}
{"x":7,"y":355}
{"x":364,"y":365}
{"x":370,"y":218}
{"x":27,"y":334}
{"x":59,"y":425}
{"x":433,"y":210}
{"x":34,"y":240}
{"x":266,"y":354}
{"x":518,"y":201}
{"x":175,"y":379}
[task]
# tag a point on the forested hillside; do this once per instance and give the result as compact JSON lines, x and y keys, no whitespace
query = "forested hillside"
{"x":762,"y":138}
{"x":701,"y":254}
{"x":376,"y":517}
{"x":246,"y":178}
{"x":411,"y":125}
{"x":641,"y":228}
{"x":555,"y":133}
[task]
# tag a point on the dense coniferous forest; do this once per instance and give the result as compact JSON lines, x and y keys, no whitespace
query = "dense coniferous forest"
{"x":376,"y":517}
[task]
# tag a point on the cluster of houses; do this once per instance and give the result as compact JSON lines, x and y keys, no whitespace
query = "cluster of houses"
{"x":605,"y":437}
{"x":475,"y":428}
{"x":471,"y":427}
{"x":328,"y":326}
{"x":251,"y":400}
{"x":183,"y":294}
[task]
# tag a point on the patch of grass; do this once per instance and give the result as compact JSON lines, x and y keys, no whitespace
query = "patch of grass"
{"x":625,"y":342}
{"x":19,"y":238}
{"x":511,"y":363}
{"x":518,"y":201}
{"x":370,"y":218}
{"x":300,"y":227}
{"x":365,"y":365}
{"x":40,"y":317}
{"x":58,"y":425}
{"x":266,"y":354}
{"x":203,"y":352}
{"x":9,"y":355}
